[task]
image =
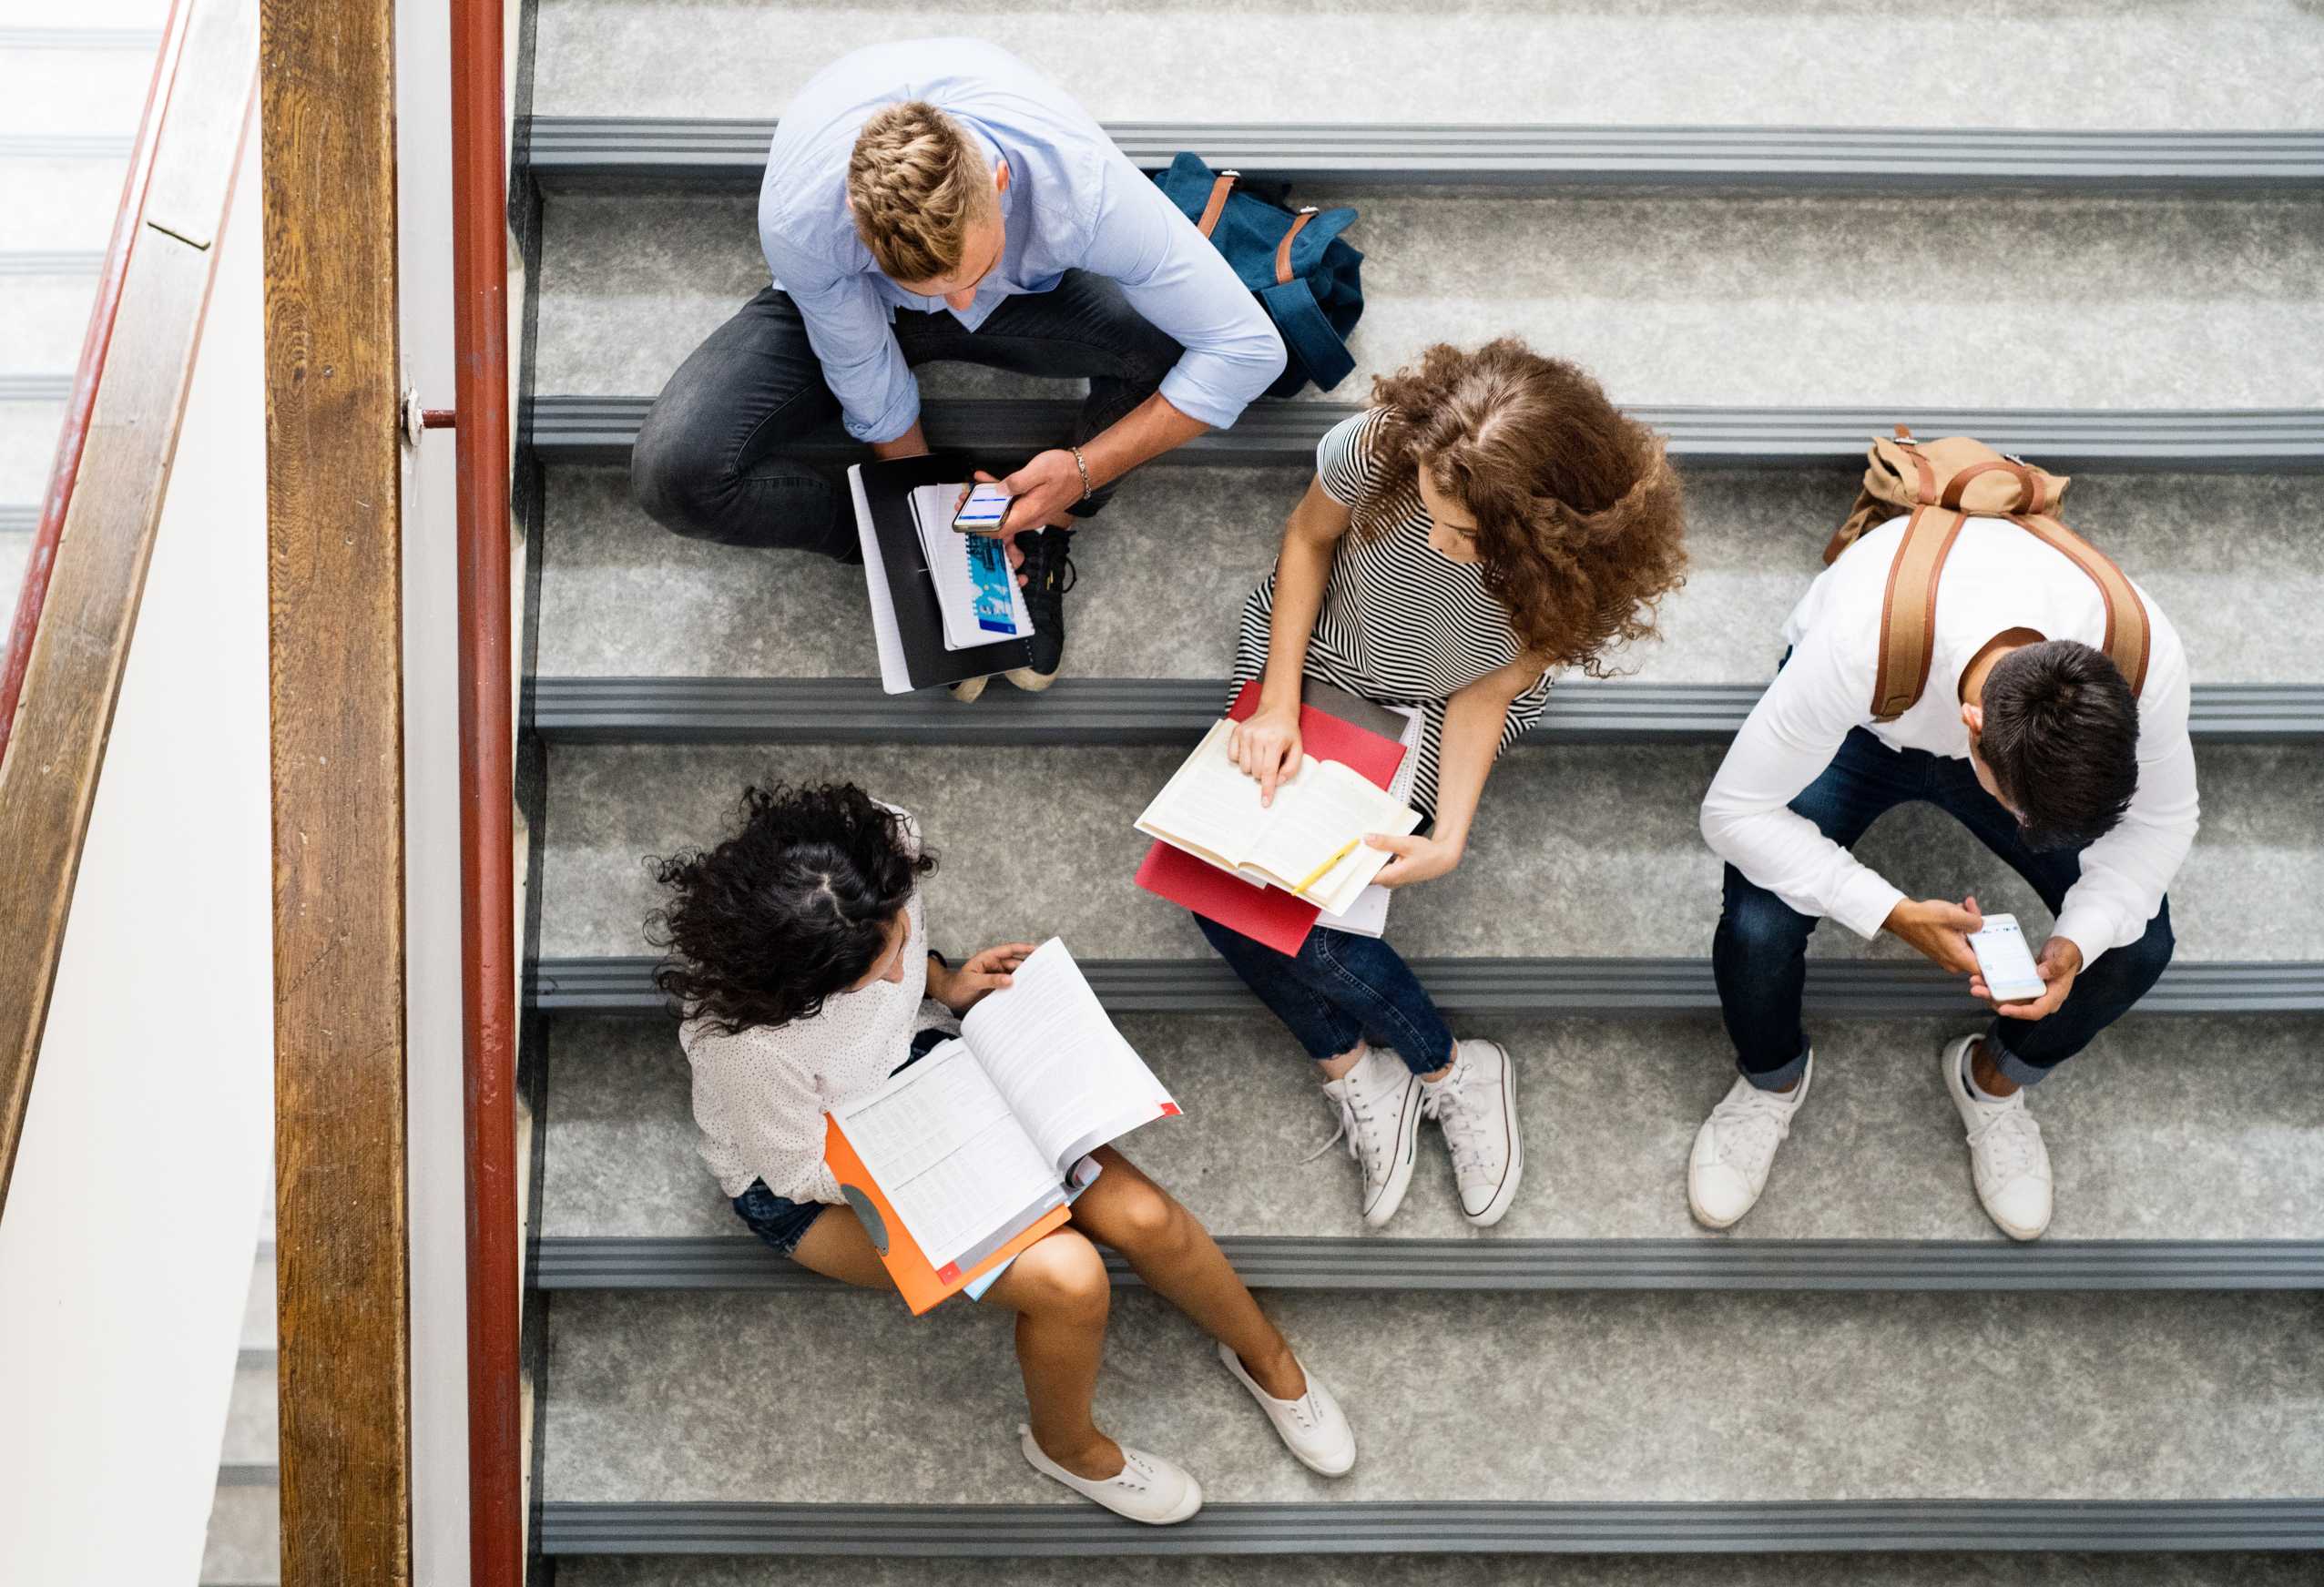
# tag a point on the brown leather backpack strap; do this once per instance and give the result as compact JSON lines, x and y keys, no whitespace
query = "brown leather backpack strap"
{"x":1909,"y":610}
{"x":2129,"y":635}
{"x":1283,"y":248}
{"x":1217,"y":206}
{"x":2029,"y":490}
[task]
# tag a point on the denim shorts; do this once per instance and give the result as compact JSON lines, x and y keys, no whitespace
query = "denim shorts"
{"x":781,"y":1221}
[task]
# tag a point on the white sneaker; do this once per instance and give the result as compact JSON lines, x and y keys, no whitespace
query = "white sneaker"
{"x":2007,"y":1159}
{"x":1312,"y":1427}
{"x":1476,"y":1107}
{"x":1735,"y":1147}
{"x":1147,"y":1488}
{"x":1379,"y":1118}
{"x":969,"y":690}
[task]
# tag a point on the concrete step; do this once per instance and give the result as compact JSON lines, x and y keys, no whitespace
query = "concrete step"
{"x":1633,"y":1399}
{"x":2248,"y":65}
{"x":244,"y":1546}
{"x":73,"y":91}
{"x":1574,"y":855}
{"x":45,"y":304}
{"x":30,"y":418}
{"x":252,"y":1427}
{"x":1479,"y":1571}
{"x":2167,"y":1132}
{"x":59,"y":200}
{"x":1163,"y":580}
{"x":1712,"y":299}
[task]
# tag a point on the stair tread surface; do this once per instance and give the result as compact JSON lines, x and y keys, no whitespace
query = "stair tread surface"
{"x":28,"y":431}
{"x":1164,"y":575}
{"x":1709,"y":299}
{"x":1590,"y":855}
{"x":1984,"y":64}
{"x":59,"y":202}
{"x":252,"y":1424}
{"x":42,"y":317}
{"x":2150,"y":1138}
{"x":843,"y":1397}
{"x":244,"y":1544}
{"x":73,"y":91}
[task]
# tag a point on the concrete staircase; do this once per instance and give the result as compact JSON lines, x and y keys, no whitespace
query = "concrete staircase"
{"x":1865,"y":1368}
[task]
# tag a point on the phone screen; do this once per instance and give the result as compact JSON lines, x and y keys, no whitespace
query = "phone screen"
{"x":985,"y":507}
{"x":2006,"y":961}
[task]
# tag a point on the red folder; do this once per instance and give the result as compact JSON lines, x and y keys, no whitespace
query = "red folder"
{"x":1266,"y":914}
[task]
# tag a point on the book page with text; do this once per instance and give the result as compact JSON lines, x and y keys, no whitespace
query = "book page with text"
{"x":947,"y":1150}
{"x":1335,"y":804}
{"x":1073,"y":1082}
{"x":1210,"y":805}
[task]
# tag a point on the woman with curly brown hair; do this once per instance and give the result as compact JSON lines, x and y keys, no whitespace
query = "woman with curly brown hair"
{"x":1491,"y":520}
{"x":799,"y":956}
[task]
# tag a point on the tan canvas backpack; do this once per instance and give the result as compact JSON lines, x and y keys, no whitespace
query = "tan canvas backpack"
{"x":1941,"y":484}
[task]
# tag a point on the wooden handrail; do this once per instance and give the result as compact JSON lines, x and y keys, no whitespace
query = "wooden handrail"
{"x":487,"y":844}
{"x":334,"y":557}
{"x":78,"y":611}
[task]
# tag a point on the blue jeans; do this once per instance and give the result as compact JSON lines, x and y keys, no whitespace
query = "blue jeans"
{"x":714,"y":458}
{"x":1759,"y":953}
{"x":1340,"y":989}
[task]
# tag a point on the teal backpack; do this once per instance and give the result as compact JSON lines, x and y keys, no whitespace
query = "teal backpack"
{"x":1303,"y":274}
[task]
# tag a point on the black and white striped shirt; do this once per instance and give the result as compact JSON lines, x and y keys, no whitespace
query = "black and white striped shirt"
{"x":1399,"y":625}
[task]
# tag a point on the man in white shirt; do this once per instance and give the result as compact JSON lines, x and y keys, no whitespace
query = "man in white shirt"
{"x":2030,"y":735}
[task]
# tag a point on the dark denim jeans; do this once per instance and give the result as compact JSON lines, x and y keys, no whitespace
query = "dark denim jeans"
{"x":1341,"y":988}
{"x":713,"y":457}
{"x":1761,"y":950}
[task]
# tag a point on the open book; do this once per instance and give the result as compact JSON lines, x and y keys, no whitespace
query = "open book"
{"x":1309,"y":841}
{"x":977,"y":596}
{"x":967,"y":1156}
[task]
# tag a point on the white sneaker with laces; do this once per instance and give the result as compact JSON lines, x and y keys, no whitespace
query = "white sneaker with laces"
{"x":1735,"y":1147}
{"x":1312,"y":1427}
{"x":1147,"y":1488}
{"x":2007,"y":1158}
{"x":1476,"y":1107}
{"x":1379,"y":1118}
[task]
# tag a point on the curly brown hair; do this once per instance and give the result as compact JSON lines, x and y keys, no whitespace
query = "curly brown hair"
{"x":1580,"y":523}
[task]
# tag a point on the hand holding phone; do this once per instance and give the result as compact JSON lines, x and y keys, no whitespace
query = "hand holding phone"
{"x":983,"y":508}
{"x":2004,"y":962}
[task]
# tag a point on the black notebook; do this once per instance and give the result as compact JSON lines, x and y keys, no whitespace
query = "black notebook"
{"x":905,"y":616}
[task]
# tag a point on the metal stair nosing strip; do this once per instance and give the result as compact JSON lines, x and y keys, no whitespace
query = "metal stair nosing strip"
{"x":580,"y":152}
{"x":1306,"y":1262}
{"x":1412,"y":1527}
{"x":1134,"y":710}
{"x":1577,"y":988}
{"x":581,"y":429}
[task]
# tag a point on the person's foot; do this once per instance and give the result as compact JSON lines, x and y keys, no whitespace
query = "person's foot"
{"x":1379,"y":1118}
{"x":969,"y":689}
{"x":2007,"y":1160}
{"x":1735,"y":1147}
{"x":1477,"y":1107}
{"x":1048,"y":573}
{"x":1312,"y":1427}
{"x":1146,"y":1489}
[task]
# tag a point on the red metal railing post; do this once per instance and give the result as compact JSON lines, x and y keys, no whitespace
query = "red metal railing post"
{"x":487,"y":844}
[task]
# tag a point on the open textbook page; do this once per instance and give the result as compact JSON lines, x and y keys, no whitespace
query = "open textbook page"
{"x":956,"y":1166}
{"x":1071,"y":1080}
{"x":1210,"y":808}
{"x":1367,"y":915}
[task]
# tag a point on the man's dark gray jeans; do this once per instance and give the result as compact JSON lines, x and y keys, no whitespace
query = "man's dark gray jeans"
{"x":713,"y":459}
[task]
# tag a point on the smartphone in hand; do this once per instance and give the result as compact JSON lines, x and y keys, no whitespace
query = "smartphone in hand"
{"x":2005,"y":962}
{"x":983,"y":510}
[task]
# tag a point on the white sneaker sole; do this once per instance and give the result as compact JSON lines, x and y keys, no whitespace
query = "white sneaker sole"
{"x":1399,"y":1172}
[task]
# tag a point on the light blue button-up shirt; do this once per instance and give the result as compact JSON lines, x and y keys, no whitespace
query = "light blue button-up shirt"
{"x":1074,"y":202}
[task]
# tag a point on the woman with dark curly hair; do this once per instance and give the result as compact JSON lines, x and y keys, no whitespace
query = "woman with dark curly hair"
{"x":799,"y":958}
{"x":1490,"y":520}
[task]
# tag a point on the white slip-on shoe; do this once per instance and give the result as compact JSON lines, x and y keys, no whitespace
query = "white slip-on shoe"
{"x":1378,"y":1102}
{"x":1147,"y":1488}
{"x":1312,"y":1427}
{"x":1476,"y":1107}
{"x":2007,"y":1159}
{"x":969,"y":690}
{"x":1735,"y":1147}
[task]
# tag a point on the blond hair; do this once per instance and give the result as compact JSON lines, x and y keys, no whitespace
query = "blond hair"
{"x":915,"y":185}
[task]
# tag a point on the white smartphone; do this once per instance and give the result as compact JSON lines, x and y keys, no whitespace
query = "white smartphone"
{"x":2005,"y":962}
{"x":985,"y":508}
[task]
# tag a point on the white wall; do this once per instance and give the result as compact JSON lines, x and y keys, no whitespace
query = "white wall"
{"x":125,"y":1255}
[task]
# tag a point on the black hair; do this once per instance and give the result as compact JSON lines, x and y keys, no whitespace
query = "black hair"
{"x":791,"y":908}
{"x":2061,"y":737}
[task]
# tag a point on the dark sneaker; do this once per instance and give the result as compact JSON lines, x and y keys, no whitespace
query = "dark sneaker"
{"x":1048,"y":573}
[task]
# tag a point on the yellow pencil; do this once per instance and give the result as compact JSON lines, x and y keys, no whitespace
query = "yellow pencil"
{"x":1317,"y":874}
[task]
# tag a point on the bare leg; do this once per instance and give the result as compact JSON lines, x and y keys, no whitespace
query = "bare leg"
{"x":1181,"y":1262}
{"x":1337,"y":1068}
{"x":1060,"y":1292}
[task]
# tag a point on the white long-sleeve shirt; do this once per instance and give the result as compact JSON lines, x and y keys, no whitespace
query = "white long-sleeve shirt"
{"x":1997,"y":577}
{"x":759,"y":1095}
